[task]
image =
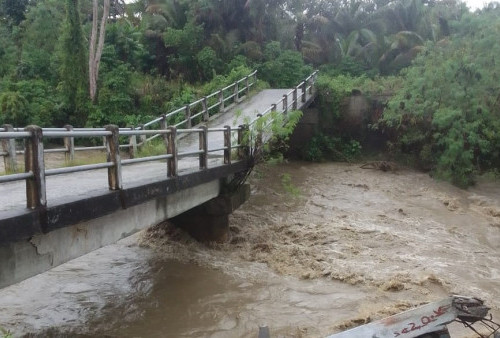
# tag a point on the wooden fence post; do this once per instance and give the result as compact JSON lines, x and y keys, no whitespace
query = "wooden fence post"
{"x":132,"y":145}
{"x":258,"y":138}
{"x":9,"y":147}
{"x":203,"y":147}
{"x":247,"y":85}
{"x":143,"y":137}
{"x":304,"y":86}
{"x":188,"y":116}
{"x":172,"y":150}
{"x":206,"y":115}
{"x":34,"y":162}
{"x":294,"y":102}
{"x":113,"y":155}
{"x":285,"y":104}
{"x":227,"y":145}
{"x":236,"y":92}
{"x":221,"y":101}
{"x":243,"y":142}
{"x":274,"y":107}
{"x":69,"y":144}
{"x":311,"y":83}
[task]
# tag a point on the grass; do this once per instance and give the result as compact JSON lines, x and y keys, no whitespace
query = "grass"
{"x":286,"y":182}
{"x":88,"y":159}
{"x":5,"y":333}
{"x":153,"y":148}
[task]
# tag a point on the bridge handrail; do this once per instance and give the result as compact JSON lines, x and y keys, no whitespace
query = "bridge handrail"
{"x":235,"y":91}
{"x":35,"y":172}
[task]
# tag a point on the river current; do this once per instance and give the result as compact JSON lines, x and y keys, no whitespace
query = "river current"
{"x":317,"y":249}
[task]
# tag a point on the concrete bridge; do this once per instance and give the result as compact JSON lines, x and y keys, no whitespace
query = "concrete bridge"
{"x":50,"y":214}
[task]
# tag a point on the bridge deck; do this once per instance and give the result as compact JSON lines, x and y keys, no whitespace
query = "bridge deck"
{"x":66,"y":187}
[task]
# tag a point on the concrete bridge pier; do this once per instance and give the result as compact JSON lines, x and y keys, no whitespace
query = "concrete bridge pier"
{"x":209,"y":222}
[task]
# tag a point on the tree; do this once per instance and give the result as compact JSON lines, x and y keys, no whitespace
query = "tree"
{"x":73,"y":70}
{"x":96,"y":46}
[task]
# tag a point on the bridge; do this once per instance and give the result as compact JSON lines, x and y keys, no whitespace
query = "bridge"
{"x":51,"y":213}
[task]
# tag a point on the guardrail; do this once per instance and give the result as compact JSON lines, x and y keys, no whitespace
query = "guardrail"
{"x":248,"y":137}
{"x":35,"y":173}
{"x":217,"y":102}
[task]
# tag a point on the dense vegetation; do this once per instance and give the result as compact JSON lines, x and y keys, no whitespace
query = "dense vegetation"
{"x":429,"y":67}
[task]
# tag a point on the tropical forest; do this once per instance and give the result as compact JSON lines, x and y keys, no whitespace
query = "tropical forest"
{"x":427,"y":69}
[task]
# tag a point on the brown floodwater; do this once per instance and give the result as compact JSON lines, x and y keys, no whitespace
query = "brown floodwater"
{"x":318,"y":248}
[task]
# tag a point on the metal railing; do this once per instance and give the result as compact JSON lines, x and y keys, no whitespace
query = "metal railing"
{"x":35,"y":172}
{"x":34,"y":156}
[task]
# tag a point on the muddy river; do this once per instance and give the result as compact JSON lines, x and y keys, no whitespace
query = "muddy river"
{"x":318,"y":248}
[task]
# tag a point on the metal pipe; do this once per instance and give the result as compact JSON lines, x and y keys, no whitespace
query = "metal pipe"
{"x":190,"y":153}
{"x":143,"y":132}
{"x":15,"y":177}
{"x":180,"y":123}
{"x":152,"y":122}
{"x":196,"y":115}
{"x":146,"y":159}
{"x":55,"y":150}
{"x":212,"y":107}
{"x":188,"y":131}
{"x":56,"y":134}
{"x":90,"y":148}
{"x":15,"y":134}
{"x":217,"y":149}
{"x":86,"y":167}
{"x":228,"y":87}
{"x":192,"y":104}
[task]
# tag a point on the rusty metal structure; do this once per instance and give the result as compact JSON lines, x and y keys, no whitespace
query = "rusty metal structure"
{"x":429,"y":321}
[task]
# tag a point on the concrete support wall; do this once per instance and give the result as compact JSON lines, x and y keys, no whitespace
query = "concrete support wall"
{"x":304,"y":131}
{"x":209,"y":222}
{"x":23,"y":259}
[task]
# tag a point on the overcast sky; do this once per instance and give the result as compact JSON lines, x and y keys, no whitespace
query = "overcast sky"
{"x":472,"y":4}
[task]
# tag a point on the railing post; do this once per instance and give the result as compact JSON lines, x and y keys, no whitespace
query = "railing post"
{"x":243,"y":142}
{"x":236,"y":92}
{"x":258,"y":139}
{"x":9,"y":146}
{"x":221,"y":101}
{"x":273,"y":107}
{"x":294,"y":102}
{"x":34,"y":162}
{"x":311,"y":87}
{"x":113,"y":155}
{"x":143,"y":137}
{"x":164,"y":126}
{"x":227,"y":145}
{"x":304,"y":86}
{"x":132,"y":145}
{"x":188,"y":116}
{"x":285,"y":104}
{"x":203,"y":147}
{"x":69,"y":144}
{"x":172,"y":150}
{"x":206,"y":115}
{"x":247,"y":85}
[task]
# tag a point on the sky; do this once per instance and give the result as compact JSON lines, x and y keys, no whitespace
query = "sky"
{"x":475,"y":4}
{"x":472,"y":4}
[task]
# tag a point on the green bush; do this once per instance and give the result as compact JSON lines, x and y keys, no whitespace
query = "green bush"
{"x":323,"y":147}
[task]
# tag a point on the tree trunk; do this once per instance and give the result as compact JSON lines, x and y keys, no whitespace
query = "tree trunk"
{"x":96,"y":46}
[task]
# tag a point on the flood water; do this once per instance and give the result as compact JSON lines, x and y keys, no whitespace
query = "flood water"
{"x":330,"y":247}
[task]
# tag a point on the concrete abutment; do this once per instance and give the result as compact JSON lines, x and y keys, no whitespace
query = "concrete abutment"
{"x":209,"y":222}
